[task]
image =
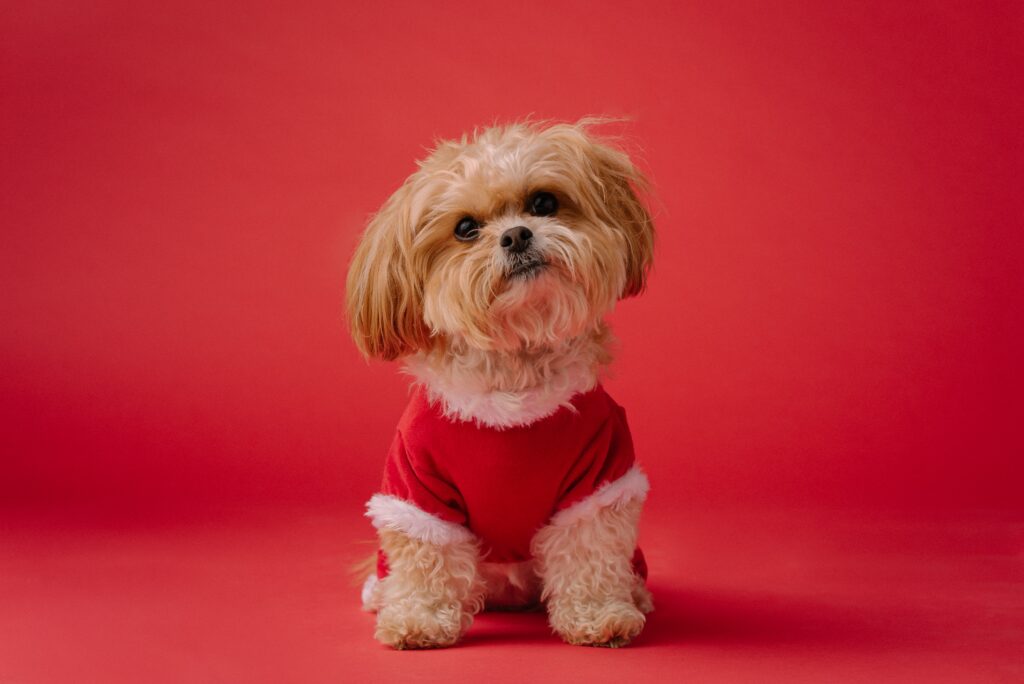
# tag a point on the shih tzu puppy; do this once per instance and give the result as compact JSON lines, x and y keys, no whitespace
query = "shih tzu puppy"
{"x":511,"y":481}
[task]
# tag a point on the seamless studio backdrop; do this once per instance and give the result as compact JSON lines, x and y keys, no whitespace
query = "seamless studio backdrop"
{"x":823,"y":379}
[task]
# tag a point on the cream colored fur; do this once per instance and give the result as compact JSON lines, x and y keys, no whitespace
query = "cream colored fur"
{"x":430,"y":594}
{"x":502,"y":389}
{"x":593,"y":597}
{"x":582,"y":570}
{"x":413,"y":287}
{"x":505,"y":351}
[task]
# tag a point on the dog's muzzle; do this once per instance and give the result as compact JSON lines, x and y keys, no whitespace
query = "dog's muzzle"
{"x":525,"y":265}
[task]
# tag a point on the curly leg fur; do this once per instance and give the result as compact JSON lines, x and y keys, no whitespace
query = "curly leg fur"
{"x":430,"y":594}
{"x":593,"y":596}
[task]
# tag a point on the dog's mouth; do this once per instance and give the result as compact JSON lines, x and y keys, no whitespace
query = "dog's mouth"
{"x":525,"y":267}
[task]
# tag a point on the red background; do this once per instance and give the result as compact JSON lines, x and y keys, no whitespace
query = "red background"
{"x":823,"y":379}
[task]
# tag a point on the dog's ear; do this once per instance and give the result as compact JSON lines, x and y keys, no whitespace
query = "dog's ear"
{"x":384,"y":295}
{"x":614,"y":190}
{"x":622,"y":186}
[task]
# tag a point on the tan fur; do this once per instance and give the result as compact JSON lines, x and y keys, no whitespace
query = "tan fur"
{"x":593,"y":596}
{"x":412,"y":286}
{"x":504,"y":351}
{"x":383,"y":293}
{"x":582,"y":572}
{"x":519,"y":369}
{"x":513,"y":387}
{"x":430,"y":594}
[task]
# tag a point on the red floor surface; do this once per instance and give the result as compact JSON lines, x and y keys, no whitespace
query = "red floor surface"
{"x":823,"y":380}
{"x":751,"y":596}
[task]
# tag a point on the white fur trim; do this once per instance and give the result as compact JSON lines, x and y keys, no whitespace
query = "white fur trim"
{"x":632,"y":485}
{"x":367,"y":594}
{"x":502,"y":410}
{"x":463,"y":396}
{"x":392,"y":513}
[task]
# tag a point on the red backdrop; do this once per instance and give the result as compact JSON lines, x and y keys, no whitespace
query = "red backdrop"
{"x":834,"y":318}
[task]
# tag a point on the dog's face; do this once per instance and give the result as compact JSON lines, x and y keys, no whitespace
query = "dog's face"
{"x":520,"y":237}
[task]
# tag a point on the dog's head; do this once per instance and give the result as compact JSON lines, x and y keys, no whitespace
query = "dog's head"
{"x":518,"y":237}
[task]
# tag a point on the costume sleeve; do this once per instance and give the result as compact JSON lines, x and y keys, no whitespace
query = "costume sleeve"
{"x":411,"y":475}
{"x":416,"y":498}
{"x":605,"y":473}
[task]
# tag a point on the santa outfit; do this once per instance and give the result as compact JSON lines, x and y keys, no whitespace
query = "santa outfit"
{"x":449,"y":480}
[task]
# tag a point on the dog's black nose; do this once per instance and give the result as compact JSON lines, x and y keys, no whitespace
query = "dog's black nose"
{"x":516,"y":239}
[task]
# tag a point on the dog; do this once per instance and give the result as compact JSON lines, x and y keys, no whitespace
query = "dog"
{"x":511,"y":482}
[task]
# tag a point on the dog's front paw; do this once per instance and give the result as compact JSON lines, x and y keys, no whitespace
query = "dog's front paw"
{"x":409,"y":625}
{"x":612,"y":624}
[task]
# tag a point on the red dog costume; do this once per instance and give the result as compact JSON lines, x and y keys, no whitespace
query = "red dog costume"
{"x":449,"y":480}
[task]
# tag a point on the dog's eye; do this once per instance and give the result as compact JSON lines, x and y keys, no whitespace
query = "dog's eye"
{"x":543,"y":204}
{"x":467,"y":229}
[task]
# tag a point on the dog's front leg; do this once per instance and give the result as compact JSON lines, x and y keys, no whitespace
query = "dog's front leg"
{"x":593,"y":596}
{"x":430,"y":594}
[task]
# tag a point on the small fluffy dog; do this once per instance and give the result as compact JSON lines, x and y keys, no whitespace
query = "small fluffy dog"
{"x":511,"y":481}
